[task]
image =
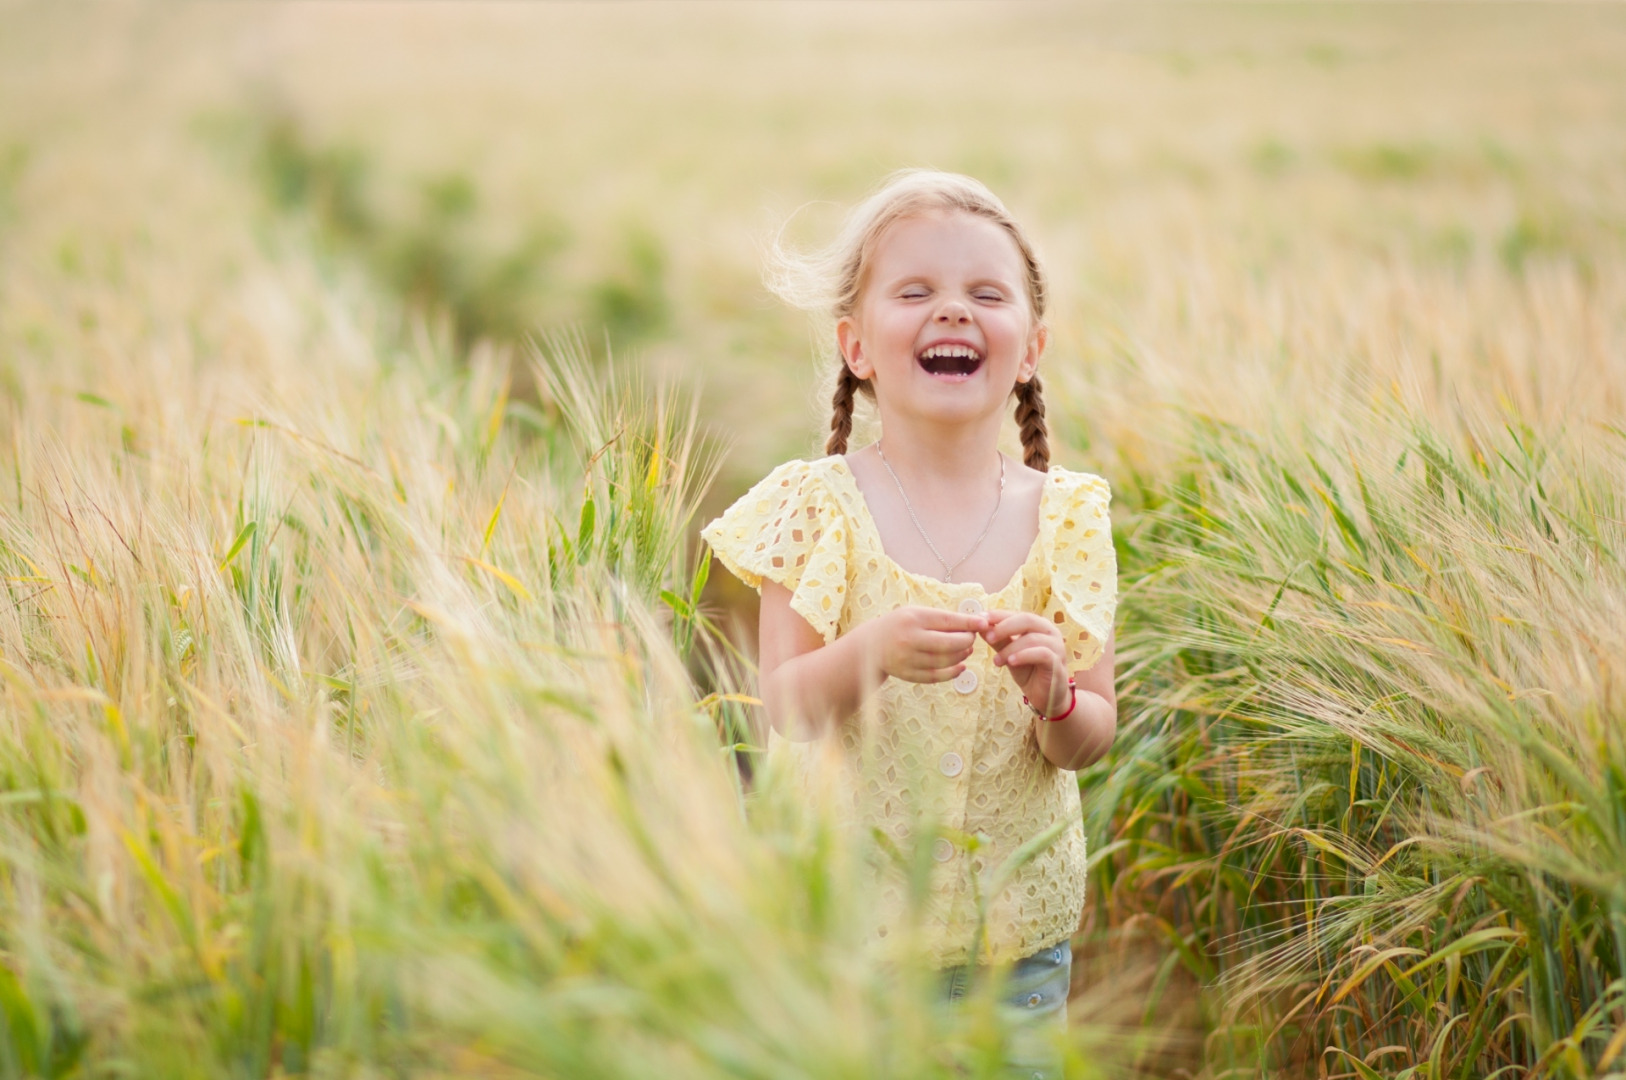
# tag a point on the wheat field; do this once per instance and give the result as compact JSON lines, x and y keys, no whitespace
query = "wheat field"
{"x":369,"y":708}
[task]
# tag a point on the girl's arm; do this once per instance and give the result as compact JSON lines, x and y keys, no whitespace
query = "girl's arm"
{"x":1087,"y":733}
{"x":1031,"y":647}
{"x":809,"y":688}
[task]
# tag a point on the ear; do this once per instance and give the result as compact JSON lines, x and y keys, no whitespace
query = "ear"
{"x":1034,"y":352}
{"x":852,"y":349}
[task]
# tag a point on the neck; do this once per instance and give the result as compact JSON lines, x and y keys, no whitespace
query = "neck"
{"x":942,"y":457}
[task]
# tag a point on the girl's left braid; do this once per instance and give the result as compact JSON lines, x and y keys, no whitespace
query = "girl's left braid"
{"x":841,"y":411}
{"x":1030,"y":419}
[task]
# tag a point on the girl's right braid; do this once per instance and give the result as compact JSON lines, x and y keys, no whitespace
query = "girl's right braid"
{"x":841,"y":416}
{"x":1030,"y":418}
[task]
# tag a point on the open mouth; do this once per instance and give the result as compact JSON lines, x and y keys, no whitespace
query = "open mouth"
{"x":947,"y":359}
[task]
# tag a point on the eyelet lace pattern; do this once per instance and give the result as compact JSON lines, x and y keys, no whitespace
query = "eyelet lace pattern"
{"x":964,"y":759}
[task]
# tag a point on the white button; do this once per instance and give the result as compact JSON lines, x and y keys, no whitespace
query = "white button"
{"x":970,"y":606}
{"x":942,"y":850}
{"x":966,"y":681}
{"x":951,"y":764}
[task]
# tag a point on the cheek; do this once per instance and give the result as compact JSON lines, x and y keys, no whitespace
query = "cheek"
{"x":1014,"y":332}
{"x":897,"y":334}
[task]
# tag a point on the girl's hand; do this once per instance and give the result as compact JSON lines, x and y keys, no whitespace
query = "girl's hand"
{"x":1031,"y":648}
{"x":925,"y":645}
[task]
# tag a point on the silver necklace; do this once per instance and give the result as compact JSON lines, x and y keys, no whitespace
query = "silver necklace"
{"x":948,"y":570}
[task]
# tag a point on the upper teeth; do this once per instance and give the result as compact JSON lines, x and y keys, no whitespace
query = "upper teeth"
{"x":944,"y":352}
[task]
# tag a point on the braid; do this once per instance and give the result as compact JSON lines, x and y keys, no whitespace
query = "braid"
{"x":841,"y":415}
{"x":1030,"y":418}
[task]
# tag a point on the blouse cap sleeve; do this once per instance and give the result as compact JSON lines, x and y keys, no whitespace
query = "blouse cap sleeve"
{"x":790,"y":530}
{"x":1077,"y":528}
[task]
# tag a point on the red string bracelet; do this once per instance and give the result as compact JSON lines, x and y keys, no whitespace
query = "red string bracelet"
{"x":1072,"y":703}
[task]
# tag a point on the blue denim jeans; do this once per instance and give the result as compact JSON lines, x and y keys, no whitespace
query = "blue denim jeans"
{"x":1035,"y":1004}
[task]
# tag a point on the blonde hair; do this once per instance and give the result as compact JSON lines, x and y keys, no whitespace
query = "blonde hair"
{"x":831,"y":281}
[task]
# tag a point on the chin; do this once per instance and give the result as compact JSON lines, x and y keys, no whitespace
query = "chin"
{"x":963,"y":409}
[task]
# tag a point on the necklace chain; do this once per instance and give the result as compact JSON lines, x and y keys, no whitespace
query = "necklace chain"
{"x":948,"y":570}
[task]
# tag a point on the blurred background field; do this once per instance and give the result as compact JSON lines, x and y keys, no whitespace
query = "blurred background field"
{"x":359,"y":714}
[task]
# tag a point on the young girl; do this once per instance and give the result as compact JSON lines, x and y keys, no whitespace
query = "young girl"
{"x":937,"y":616}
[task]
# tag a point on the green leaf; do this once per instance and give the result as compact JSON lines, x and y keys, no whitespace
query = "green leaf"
{"x":1346,"y":524}
{"x":1362,"y":1069}
{"x":702,"y":573}
{"x":491,"y":525}
{"x":237,"y":545}
{"x":1469,"y":943}
{"x":584,"y":530}
{"x":251,"y":841}
{"x":159,"y":883}
{"x":23,"y":1026}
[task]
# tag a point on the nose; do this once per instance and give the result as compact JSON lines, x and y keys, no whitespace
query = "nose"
{"x":953,"y":312}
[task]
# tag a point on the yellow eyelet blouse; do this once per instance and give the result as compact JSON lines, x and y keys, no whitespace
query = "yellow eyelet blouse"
{"x":954,"y":764}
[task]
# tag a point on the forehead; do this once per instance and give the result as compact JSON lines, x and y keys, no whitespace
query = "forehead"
{"x":952,"y":242}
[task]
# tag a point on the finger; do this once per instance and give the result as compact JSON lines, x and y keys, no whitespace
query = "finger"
{"x":936,"y":658}
{"x":1000,"y":635}
{"x":1020,"y":622}
{"x":1042,"y":636}
{"x":952,"y":621}
{"x":999,"y":615}
{"x":931,"y":674}
{"x":1027,"y":642}
{"x":918,"y":660}
{"x":1030,"y":657}
{"x":934,"y":639}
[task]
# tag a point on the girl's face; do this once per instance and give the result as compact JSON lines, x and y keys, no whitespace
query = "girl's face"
{"x":943,"y":327}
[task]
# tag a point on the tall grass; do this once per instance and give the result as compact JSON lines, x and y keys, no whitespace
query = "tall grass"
{"x":364,"y":711}
{"x":1373,"y":794}
{"x":347,"y":730}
